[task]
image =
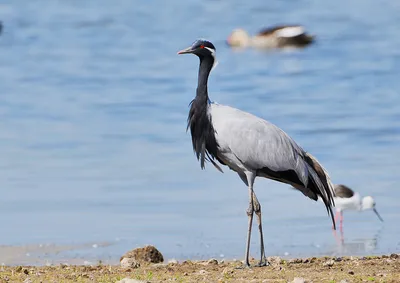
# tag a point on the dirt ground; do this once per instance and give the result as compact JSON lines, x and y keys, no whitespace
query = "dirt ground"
{"x":384,"y":268}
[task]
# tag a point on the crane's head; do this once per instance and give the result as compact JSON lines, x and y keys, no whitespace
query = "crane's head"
{"x":203,"y":49}
{"x":200,"y":48}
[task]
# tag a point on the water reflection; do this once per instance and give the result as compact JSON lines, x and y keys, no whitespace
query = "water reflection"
{"x":355,"y":246}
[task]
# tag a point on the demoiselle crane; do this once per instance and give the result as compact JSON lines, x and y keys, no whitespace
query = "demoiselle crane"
{"x":250,"y":146}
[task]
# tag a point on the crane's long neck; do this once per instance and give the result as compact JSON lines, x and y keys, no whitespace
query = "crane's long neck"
{"x":206,"y":64}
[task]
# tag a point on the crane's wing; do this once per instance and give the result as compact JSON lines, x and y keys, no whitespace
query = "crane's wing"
{"x":269,"y":151}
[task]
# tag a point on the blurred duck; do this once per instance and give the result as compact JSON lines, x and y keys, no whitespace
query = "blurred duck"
{"x":274,"y":37}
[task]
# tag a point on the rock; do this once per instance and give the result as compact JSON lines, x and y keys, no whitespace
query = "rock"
{"x":299,"y":280}
{"x":202,"y":272}
{"x":129,"y":280}
{"x":212,"y":261}
{"x":127,"y":262}
{"x":148,"y":254}
{"x":393,"y":256}
{"x":328,"y":263}
{"x":28,"y":280}
{"x":343,"y":281}
{"x":351,"y":272}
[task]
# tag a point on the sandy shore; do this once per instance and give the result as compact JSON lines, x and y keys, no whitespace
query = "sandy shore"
{"x":384,"y":268}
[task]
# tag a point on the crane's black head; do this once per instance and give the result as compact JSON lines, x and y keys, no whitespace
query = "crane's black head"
{"x":200,"y":48}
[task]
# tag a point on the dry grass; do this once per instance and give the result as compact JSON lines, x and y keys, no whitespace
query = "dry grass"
{"x":325,"y":269}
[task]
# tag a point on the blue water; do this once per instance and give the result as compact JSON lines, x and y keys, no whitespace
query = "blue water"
{"x":93,"y":108}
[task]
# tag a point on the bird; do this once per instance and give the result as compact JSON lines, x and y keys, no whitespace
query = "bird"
{"x":250,"y":146}
{"x":278,"y":36}
{"x":347,"y":199}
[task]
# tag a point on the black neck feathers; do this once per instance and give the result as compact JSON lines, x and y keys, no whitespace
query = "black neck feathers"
{"x":199,"y":120}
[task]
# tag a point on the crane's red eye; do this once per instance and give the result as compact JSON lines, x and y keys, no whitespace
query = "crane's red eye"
{"x":202,"y":46}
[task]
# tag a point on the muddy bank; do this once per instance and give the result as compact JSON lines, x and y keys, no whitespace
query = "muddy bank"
{"x":325,"y":269}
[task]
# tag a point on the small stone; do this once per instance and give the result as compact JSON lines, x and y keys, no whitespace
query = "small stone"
{"x":172,"y":261}
{"x":338,"y":259}
{"x":18,"y":269}
{"x":185,"y":274}
{"x":274,"y":260}
{"x":343,"y":281}
{"x":212,"y":261}
{"x":202,"y":272}
{"x":129,"y":263}
{"x":305,"y":260}
{"x":28,"y":280}
{"x":295,"y":260}
{"x":26,"y":271}
{"x":351,"y":272}
{"x":299,"y":280}
{"x":129,"y":280}
{"x":147,"y":254}
{"x":393,"y":256}
{"x":328,"y":263}
{"x":384,"y":256}
{"x":63,"y":265}
{"x":227,"y":271}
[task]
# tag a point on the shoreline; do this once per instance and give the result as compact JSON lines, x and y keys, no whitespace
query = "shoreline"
{"x":384,"y":268}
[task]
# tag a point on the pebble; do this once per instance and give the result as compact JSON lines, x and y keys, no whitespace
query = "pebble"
{"x":127,"y":262}
{"x":393,"y":256}
{"x":274,"y":260}
{"x":328,"y":263}
{"x":28,"y":280}
{"x":129,"y":280}
{"x":295,"y":260}
{"x":202,"y":272}
{"x":343,"y":281}
{"x":172,"y":261}
{"x":299,"y":280}
{"x":212,"y":261}
{"x":351,"y":272}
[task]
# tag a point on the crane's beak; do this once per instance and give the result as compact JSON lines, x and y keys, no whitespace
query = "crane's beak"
{"x":186,"y":50}
{"x":377,"y":214}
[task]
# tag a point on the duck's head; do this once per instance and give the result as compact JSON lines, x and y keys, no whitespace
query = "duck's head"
{"x":238,"y":38}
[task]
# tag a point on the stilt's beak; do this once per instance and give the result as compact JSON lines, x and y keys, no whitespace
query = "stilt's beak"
{"x":377,"y":214}
{"x":186,"y":50}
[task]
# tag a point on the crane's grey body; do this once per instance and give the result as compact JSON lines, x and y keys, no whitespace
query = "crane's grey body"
{"x":250,"y":146}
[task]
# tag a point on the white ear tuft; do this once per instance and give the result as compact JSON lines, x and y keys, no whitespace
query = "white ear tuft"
{"x":215,"y":58}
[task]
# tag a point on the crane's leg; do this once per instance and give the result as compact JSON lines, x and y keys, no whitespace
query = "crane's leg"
{"x":248,"y":179}
{"x":257,"y":210}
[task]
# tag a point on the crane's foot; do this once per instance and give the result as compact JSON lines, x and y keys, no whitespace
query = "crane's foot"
{"x":262,"y":263}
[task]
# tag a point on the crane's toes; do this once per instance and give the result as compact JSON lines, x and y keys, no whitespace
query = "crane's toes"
{"x":263,"y":263}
